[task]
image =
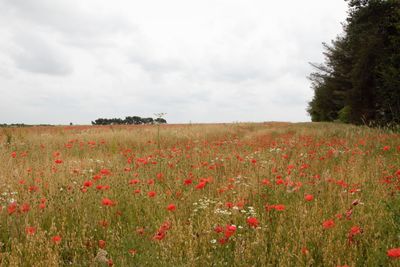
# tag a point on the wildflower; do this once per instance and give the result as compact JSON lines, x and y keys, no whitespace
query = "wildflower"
{"x":223,"y":240}
{"x":309,"y":197}
{"x":265,"y":182}
{"x":339,"y":216}
{"x":33,"y":188}
{"x":12,"y":207}
{"x":165,"y":226}
{"x":280,"y":207}
{"x":25,"y":207}
{"x":134,"y":181}
{"x":218,"y":229}
{"x":252,"y":222}
{"x":103,"y":223}
{"x":88,"y":183}
{"x":56,"y":239}
{"x":305,"y":251}
{"x":14,"y":154}
{"x":102,"y":244}
{"x":97,"y":177}
{"x":328,"y":224}
{"x":201,"y":185}
{"x":58,"y":161}
{"x":160,"y":176}
{"x":107,"y":202}
{"x":171,"y":207}
{"x":230,"y":230}
{"x":349,"y":212}
{"x":355,"y":230}
{"x":105,"y":172}
{"x":394,"y":253}
{"x":30,"y":230}
{"x":229,"y":205}
{"x":151,"y":194}
{"x":187,"y":182}
{"x":159,"y":235}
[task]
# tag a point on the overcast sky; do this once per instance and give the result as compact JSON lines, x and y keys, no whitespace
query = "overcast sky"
{"x":74,"y":61}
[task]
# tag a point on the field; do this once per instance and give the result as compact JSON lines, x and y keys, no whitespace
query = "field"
{"x":267,"y":194}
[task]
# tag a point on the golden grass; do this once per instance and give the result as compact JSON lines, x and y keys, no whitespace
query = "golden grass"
{"x":244,"y":170}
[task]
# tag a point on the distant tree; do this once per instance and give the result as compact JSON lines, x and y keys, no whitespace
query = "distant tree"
{"x":160,"y":121}
{"x":129,"y":120}
{"x":148,"y":120}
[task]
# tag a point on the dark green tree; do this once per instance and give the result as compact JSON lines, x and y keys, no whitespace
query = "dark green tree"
{"x":359,"y":81}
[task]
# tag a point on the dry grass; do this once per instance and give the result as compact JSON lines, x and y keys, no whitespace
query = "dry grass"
{"x":353,"y":174}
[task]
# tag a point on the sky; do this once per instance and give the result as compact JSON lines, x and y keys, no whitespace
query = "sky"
{"x":205,"y":61}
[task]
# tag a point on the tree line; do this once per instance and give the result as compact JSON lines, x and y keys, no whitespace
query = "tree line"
{"x":359,"y":82}
{"x":128,"y":121}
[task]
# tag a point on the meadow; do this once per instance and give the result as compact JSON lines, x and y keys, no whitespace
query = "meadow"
{"x":262,"y":194}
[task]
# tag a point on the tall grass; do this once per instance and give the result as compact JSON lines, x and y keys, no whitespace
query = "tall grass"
{"x":182,"y":195}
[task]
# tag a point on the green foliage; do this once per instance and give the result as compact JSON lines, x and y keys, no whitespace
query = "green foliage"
{"x":128,"y":120}
{"x":362,"y":68}
{"x":344,"y":114}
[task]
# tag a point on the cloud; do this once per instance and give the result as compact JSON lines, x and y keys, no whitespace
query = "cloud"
{"x":199,"y":61}
{"x":35,"y":54}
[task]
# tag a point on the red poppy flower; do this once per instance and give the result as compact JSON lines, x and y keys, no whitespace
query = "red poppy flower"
{"x":229,"y":205}
{"x":171,"y":207}
{"x":151,"y":194}
{"x":252,"y":222}
{"x":280,"y":207}
{"x":159,"y":235}
{"x":88,"y":183}
{"x":355,"y":230}
{"x":102,"y":244}
{"x":56,"y":239}
{"x":25,"y":207}
{"x":218,"y":229}
{"x":394,"y":253}
{"x":103,"y":223}
{"x":304,"y":251}
{"x":30,"y":230}
{"x":105,"y":172}
{"x":328,"y":224}
{"x":309,"y":197}
{"x":223,"y":240}
{"x":12,"y":207}
{"x":107,"y":202}
{"x":134,"y":181}
{"x":201,"y":185}
{"x":230,"y":230}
